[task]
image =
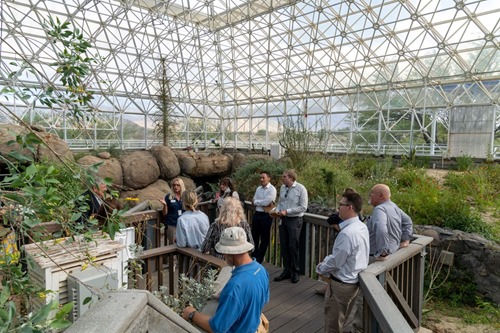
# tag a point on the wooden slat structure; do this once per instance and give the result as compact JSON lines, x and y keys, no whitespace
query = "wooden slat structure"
{"x":293,"y":307}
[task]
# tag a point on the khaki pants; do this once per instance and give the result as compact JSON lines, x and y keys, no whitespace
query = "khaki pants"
{"x":339,"y":301}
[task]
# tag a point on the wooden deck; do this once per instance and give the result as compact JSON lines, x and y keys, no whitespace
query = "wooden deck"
{"x":293,"y":307}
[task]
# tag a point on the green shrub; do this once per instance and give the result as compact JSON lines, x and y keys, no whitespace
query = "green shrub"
{"x":362,"y":167}
{"x":325,"y":177}
{"x":464,"y":163}
{"x":481,"y":186}
{"x":458,"y":289}
{"x":247,"y":177}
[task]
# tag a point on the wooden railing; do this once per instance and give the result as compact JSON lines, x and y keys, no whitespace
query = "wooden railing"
{"x":158,"y":267}
{"x":393,"y":289}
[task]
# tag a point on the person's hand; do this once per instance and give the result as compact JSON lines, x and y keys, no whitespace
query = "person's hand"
{"x":283,"y":212}
{"x":381,"y":258}
{"x":162,"y":201}
{"x":187,"y":310}
{"x":404,"y":244}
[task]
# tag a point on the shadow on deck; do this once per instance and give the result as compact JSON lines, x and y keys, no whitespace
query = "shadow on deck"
{"x":293,"y":307}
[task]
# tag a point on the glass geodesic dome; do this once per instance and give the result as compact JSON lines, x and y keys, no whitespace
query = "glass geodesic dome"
{"x":381,"y":76}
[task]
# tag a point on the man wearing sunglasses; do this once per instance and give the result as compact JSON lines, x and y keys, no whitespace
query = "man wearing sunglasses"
{"x":291,"y":207}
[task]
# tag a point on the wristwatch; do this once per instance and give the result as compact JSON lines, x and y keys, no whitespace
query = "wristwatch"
{"x":191,"y":316}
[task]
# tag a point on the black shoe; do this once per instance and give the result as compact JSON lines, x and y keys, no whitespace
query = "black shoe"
{"x":295,"y":278}
{"x":283,"y":276}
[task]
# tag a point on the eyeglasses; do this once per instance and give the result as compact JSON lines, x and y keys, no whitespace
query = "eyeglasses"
{"x":286,"y":194}
{"x":343,"y":204}
{"x":176,"y":185}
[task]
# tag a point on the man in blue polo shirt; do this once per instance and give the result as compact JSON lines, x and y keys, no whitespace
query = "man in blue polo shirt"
{"x":245,"y":294}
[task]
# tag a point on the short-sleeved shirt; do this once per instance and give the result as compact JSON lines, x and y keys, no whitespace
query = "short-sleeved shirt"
{"x":242,"y":300}
{"x":174,"y":210}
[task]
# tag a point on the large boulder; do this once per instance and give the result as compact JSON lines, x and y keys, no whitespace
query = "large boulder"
{"x":150,"y":193}
{"x":188,"y":183}
{"x":199,"y":165}
{"x":110,"y":168}
{"x":240,"y":159}
{"x":53,"y":149}
{"x":186,"y":160}
{"x":140,"y":169}
{"x":167,"y":161}
{"x":8,"y":133}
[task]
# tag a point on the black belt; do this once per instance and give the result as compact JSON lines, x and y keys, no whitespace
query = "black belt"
{"x":340,"y":281}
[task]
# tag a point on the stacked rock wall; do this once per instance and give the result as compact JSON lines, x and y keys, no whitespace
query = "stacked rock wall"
{"x":472,"y":254}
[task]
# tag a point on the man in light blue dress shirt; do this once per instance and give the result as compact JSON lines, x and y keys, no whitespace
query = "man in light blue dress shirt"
{"x":390,"y":228}
{"x":291,"y":208}
{"x":349,"y":257}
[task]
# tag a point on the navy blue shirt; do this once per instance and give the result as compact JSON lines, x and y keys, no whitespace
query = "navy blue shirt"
{"x":174,"y":210}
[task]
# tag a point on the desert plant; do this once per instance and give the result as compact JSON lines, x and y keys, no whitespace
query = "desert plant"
{"x":324,"y":177}
{"x":297,"y":141}
{"x":247,"y":176}
{"x":190,"y":292}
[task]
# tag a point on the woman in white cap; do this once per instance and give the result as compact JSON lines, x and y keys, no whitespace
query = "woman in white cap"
{"x":245,"y":294}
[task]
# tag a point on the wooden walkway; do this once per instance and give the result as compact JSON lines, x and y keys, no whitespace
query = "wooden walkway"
{"x":293,"y":307}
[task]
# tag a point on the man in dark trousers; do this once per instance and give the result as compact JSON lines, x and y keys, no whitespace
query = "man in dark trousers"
{"x":291,"y":208}
{"x":265,"y":195}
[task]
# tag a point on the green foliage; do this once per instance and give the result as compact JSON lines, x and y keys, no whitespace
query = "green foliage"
{"x":325,"y":177}
{"x":428,"y":203}
{"x":481,"y":313}
{"x":464,"y":163}
{"x":365,"y":167}
{"x":480,"y":186}
{"x":457,"y":289}
{"x":73,"y":65}
{"x":190,"y":292}
{"x":247,"y":177}
{"x":36,"y":322}
{"x":297,"y":141}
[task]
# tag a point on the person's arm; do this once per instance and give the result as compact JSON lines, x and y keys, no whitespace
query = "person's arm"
{"x":198,"y":318}
{"x":406,"y":230}
{"x":164,"y":208}
{"x":269,"y":196}
{"x":334,"y":261}
{"x":180,"y":236}
{"x":236,"y":195}
{"x":379,"y":218}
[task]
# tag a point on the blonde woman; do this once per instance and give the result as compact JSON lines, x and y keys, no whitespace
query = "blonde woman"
{"x":231,"y":215}
{"x":172,"y":208}
{"x":192,"y":225}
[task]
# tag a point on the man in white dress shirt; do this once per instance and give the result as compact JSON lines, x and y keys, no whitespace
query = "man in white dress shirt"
{"x":265,"y":194}
{"x":349,"y":257}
